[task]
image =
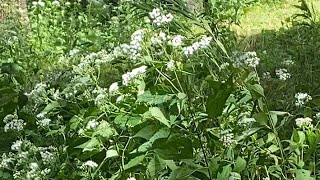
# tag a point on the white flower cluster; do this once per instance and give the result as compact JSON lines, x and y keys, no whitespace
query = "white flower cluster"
{"x":159,"y":38}
{"x":131,"y":50}
{"x":226,"y":137}
{"x":302,"y":99}
{"x":38,"y":94}
{"x":38,"y":4}
{"x":318,"y":115}
{"x":283,"y":74}
{"x":287,"y":62}
{"x":6,"y":161}
{"x":266,"y":75}
{"x":56,"y":3}
{"x":114,"y":88}
{"x":224,"y":66}
{"x":89,"y":164}
{"x":48,"y":154}
{"x":248,"y":59}
{"x":177,"y":40}
{"x":159,"y":18}
{"x":16,"y":146}
{"x":13,"y":123}
{"x":92,"y":124}
{"x":130,"y":76}
{"x":171,"y":65}
{"x":42,"y":120}
{"x":203,"y":43}
{"x":304,"y":122}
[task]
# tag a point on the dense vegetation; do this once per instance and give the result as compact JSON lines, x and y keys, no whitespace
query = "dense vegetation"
{"x":157,"y":89}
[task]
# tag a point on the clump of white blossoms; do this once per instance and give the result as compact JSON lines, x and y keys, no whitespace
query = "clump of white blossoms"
{"x":158,"y":39}
{"x":56,"y":3}
{"x":226,"y":137}
{"x":248,"y":59}
{"x":302,"y":99}
{"x":159,"y":18}
{"x":130,"y":76}
{"x":13,"y":123}
{"x":170,"y":65}
{"x":318,"y":115}
{"x":203,"y":43}
{"x":92,"y":124}
{"x":89,"y":164}
{"x":114,"y":88}
{"x":38,"y":94}
{"x":176,"y":41}
{"x":16,"y":146}
{"x":38,"y":4}
{"x":266,"y":75}
{"x":287,"y":62}
{"x":304,"y":122}
{"x":283,"y":74}
{"x":136,"y":43}
{"x":44,"y":122}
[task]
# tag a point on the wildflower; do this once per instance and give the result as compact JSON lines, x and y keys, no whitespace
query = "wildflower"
{"x":129,"y":76}
{"x":266,"y":75}
{"x":15,"y":124}
{"x":16,"y":146}
{"x":47,"y":156}
{"x":44,"y":122}
{"x":90,"y":164}
{"x":56,"y":3}
{"x":92,"y":124}
{"x":204,"y":42}
{"x":227,"y":137}
{"x":304,"y":122}
{"x":171,"y":65}
{"x":177,"y":41}
{"x":283,"y":74}
{"x":34,"y":165}
{"x":224,"y":65}
{"x":302,"y":99}
{"x":318,"y":115}
{"x":248,"y":59}
{"x":120,"y":98}
{"x":113,"y":88}
{"x":68,"y":4}
{"x":131,"y":178}
{"x":288,"y":62}
{"x":5,"y":161}
{"x":159,"y":18}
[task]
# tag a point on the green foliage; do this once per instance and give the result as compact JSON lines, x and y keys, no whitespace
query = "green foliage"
{"x":108,"y":91}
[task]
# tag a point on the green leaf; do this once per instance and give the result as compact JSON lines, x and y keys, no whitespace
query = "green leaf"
{"x":257,"y":89}
{"x":90,"y":145}
{"x":134,"y":162}
{"x":224,"y":175}
{"x":176,"y":147}
{"x":50,"y":107}
{"x":111,"y":153}
{"x":302,"y":174}
{"x":104,"y":130}
{"x":147,"y":132}
{"x":157,"y":114}
{"x":155,"y":166}
{"x":216,"y":103}
{"x":162,"y":133}
{"x":240,"y":165}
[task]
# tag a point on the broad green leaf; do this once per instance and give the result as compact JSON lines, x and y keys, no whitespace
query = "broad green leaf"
{"x":240,"y":165}
{"x":302,"y":174}
{"x":157,"y":114}
{"x":111,"y":153}
{"x":155,"y":166}
{"x":174,"y":148}
{"x":90,"y":145}
{"x":146,"y":132}
{"x":104,"y":130}
{"x":162,"y":133}
{"x":224,"y":175}
{"x":257,"y":89}
{"x":216,"y":103}
{"x":134,"y":162}
{"x":50,"y":107}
